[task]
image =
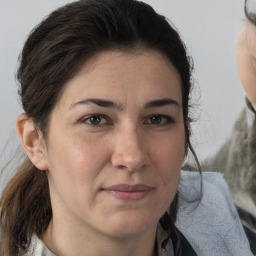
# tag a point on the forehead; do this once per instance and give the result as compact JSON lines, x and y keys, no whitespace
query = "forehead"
{"x":117,"y":61}
{"x":115,"y":73}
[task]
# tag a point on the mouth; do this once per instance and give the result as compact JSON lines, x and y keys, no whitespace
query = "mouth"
{"x":127,"y":192}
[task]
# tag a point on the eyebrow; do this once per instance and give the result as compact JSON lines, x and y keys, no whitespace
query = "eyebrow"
{"x":161,"y":103}
{"x":99,"y":102}
{"x":110,"y":104}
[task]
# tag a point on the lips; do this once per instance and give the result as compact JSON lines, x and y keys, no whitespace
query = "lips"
{"x":128,"y":192}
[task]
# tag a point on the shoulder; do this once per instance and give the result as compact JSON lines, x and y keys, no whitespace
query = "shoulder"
{"x":207,"y":216}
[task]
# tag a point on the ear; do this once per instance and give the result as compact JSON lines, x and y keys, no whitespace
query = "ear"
{"x":32,"y":141}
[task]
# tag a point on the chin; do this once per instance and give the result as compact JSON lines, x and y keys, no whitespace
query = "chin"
{"x":130,"y":225}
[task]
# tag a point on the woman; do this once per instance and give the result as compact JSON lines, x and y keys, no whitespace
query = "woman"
{"x":105,"y":87}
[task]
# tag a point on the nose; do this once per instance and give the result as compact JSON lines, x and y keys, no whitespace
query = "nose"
{"x":130,"y":151}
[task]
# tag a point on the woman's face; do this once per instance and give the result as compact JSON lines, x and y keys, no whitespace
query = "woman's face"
{"x":115,"y":144}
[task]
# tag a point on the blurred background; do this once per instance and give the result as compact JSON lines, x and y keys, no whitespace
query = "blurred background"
{"x":210,"y":30}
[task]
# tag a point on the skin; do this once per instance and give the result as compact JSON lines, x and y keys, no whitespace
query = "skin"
{"x":124,"y":144}
{"x":246,"y":60}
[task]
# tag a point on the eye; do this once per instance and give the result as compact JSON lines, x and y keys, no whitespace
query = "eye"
{"x":95,"y":120}
{"x":159,"y":120}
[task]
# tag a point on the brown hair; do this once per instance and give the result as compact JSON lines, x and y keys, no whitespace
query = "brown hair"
{"x":51,"y":56}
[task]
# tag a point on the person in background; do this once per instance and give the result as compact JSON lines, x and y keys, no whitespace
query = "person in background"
{"x":237,"y":157}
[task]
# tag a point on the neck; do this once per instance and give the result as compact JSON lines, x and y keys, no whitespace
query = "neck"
{"x":65,"y":241}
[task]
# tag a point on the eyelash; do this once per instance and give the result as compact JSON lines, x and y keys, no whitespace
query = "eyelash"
{"x":107,"y":121}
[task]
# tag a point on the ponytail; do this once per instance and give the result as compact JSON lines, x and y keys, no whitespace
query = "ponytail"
{"x":25,"y":209}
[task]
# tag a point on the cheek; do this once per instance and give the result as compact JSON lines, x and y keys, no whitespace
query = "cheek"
{"x":169,"y":170}
{"x":74,"y":167}
{"x":171,"y":152}
{"x":170,"y":157}
{"x":76,"y":154}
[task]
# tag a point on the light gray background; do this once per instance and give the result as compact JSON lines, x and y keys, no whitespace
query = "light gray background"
{"x":209,"y":28}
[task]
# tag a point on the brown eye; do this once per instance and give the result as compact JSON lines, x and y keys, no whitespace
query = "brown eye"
{"x":155,"y":119}
{"x":94,"y":120}
{"x":159,"y":120}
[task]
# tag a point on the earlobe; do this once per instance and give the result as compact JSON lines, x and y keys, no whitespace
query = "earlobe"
{"x":32,"y":141}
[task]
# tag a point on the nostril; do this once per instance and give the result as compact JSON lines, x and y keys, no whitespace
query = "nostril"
{"x":125,"y":162}
{"x":121,"y":167}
